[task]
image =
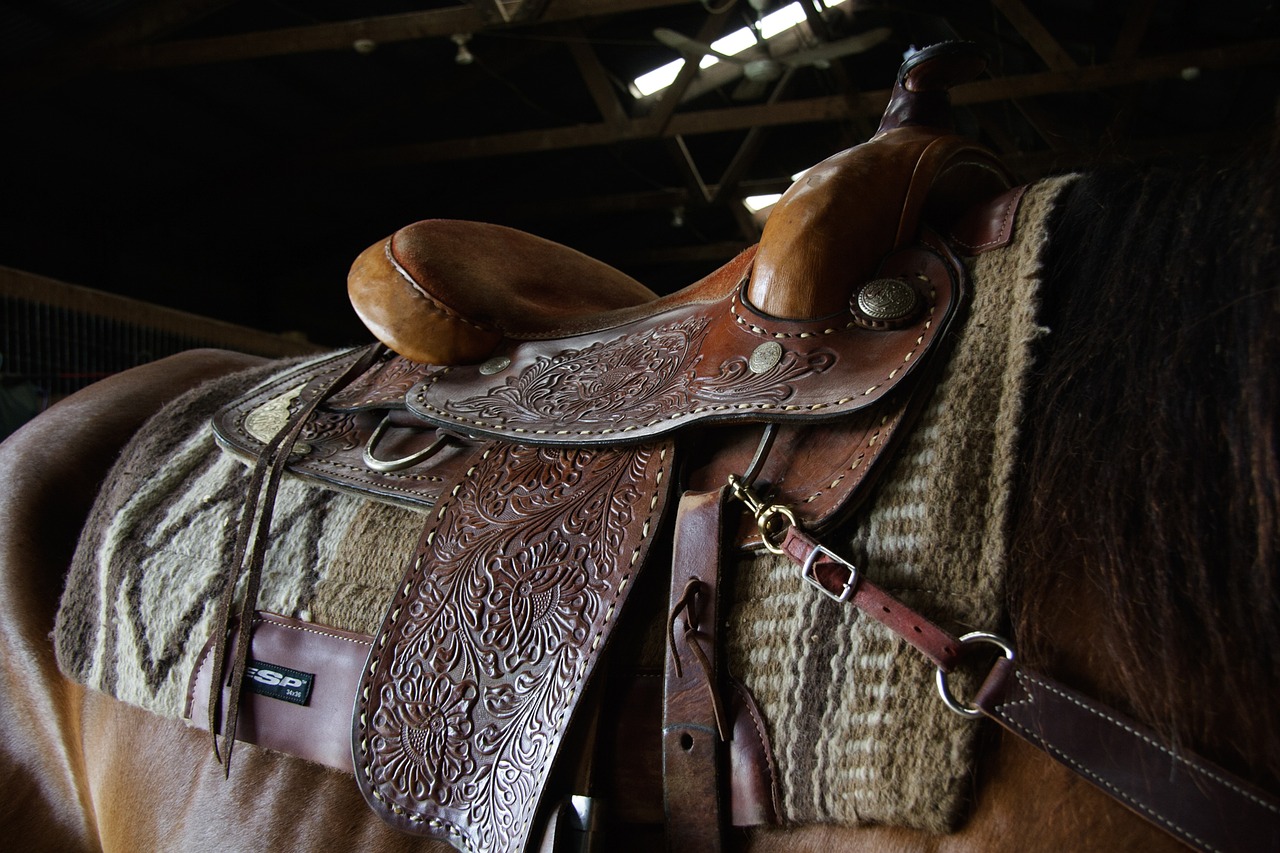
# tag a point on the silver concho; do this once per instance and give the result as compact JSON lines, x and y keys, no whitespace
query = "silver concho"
{"x":886,"y":302}
{"x":497,"y":364}
{"x":765,"y":357}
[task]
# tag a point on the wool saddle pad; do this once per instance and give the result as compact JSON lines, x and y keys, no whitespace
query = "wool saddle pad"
{"x":858,"y":733}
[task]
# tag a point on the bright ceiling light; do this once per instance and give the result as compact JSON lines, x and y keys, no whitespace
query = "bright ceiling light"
{"x":756,"y":203}
{"x":657,"y":79}
{"x":731,"y":45}
{"x":783,"y":19}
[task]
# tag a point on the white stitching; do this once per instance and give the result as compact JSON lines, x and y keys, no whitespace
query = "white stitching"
{"x":1175,"y":756}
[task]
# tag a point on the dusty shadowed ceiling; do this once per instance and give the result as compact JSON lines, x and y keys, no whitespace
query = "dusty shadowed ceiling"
{"x":232,"y":158}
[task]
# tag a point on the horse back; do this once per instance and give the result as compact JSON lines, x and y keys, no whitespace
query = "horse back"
{"x":50,"y":471}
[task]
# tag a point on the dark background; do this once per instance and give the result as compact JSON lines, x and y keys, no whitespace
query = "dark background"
{"x":232,"y":158}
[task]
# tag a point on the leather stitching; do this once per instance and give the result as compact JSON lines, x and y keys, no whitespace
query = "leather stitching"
{"x":491,"y":427}
{"x":857,"y":461}
{"x":1226,"y":783}
{"x":1002,"y":235}
{"x":757,"y":725}
{"x":432,"y":303}
{"x":1098,"y":778}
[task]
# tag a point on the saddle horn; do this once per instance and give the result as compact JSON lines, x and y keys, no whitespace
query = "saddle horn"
{"x":829,"y":231}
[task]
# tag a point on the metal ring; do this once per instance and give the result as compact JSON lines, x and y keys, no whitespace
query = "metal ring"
{"x":388,"y":466}
{"x":971,"y":712}
{"x":764,"y":519}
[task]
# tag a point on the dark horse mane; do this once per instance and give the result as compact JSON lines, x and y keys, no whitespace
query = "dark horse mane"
{"x":1149,"y":506}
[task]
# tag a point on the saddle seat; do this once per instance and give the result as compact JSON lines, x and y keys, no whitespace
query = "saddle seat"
{"x":445,"y":292}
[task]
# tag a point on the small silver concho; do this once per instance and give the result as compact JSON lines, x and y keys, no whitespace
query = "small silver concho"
{"x":765,"y":357}
{"x":497,"y":364}
{"x":886,"y":303}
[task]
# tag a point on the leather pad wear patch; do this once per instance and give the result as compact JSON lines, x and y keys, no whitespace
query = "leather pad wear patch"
{"x":499,"y":621}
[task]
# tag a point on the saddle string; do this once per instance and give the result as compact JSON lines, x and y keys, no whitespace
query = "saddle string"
{"x":247,"y":560}
{"x":687,"y":604}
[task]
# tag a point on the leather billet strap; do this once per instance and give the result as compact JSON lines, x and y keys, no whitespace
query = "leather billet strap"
{"x":694,"y":719}
{"x":1181,"y":793}
{"x":491,"y":637}
{"x":842,"y":581}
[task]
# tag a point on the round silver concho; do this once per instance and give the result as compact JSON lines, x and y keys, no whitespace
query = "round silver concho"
{"x":765,"y":357}
{"x":886,"y":303}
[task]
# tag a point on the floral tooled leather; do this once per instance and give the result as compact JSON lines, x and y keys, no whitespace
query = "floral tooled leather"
{"x":643,"y":376}
{"x":718,"y":361}
{"x":494,"y":631}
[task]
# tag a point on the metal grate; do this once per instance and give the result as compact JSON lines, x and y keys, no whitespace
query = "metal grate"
{"x":56,"y":338}
{"x":61,"y":350}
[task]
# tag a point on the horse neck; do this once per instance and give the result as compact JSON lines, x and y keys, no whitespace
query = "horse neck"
{"x":1145,"y":535}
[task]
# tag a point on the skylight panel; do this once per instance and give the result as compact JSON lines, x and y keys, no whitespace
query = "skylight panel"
{"x":731,"y":45}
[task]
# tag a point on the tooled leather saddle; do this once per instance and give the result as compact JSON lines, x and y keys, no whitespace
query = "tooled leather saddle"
{"x":566,"y":428}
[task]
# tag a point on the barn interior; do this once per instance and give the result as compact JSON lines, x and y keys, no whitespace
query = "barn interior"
{"x":229,"y":159}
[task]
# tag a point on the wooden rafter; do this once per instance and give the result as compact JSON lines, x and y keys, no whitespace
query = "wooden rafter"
{"x":340,"y":35}
{"x":596,"y":80}
{"x":831,"y":108}
{"x":1136,"y":20}
{"x":89,"y":51}
{"x":510,"y":11}
{"x":1035,"y":34}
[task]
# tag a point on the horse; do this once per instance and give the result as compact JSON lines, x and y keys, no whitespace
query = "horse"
{"x":1142,"y":558}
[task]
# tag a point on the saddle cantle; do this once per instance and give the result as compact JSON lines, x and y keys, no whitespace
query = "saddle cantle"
{"x":546,"y":407}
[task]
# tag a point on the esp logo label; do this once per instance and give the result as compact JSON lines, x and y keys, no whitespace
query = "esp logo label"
{"x":278,"y":682}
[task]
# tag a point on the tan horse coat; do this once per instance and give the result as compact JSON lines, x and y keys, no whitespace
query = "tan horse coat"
{"x":84,"y":772}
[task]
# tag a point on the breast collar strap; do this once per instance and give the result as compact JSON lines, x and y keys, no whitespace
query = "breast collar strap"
{"x":1184,"y":795}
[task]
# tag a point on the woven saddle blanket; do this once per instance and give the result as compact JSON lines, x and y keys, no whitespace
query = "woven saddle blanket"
{"x":857,"y":731}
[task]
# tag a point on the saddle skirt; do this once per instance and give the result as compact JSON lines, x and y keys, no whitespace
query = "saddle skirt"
{"x":861,"y":741}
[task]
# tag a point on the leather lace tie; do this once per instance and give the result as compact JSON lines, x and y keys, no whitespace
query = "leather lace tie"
{"x":687,"y":605}
{"x":253,"y":533}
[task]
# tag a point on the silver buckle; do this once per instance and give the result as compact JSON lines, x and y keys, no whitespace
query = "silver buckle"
{"x":850,"y":584}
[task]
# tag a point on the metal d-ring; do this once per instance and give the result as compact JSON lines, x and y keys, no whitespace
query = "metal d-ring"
{"x":388,"y":466}
{"x":971,"y":712}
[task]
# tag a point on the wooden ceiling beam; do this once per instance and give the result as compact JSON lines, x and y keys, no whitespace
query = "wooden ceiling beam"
{"x":510,"y":11}
{"x":596,"y":79}
{"x":341,"y":35}
{"x":91,"y":50}
{"x":830,"y":108}
{"x":660,"y":112}
{"x":749,"y":148}
{"x":1035,"y":34}
{"x":683,"y":158}
{"x":1137,"y":19}
{"x":1109,"y":74}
